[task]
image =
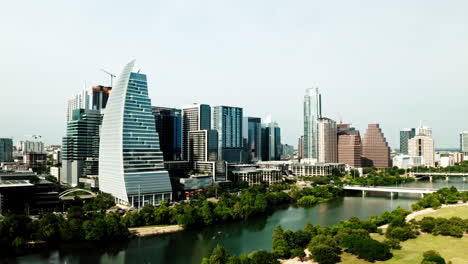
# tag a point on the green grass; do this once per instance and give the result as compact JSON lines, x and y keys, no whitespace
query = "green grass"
{"x":450,"y":248}
{"x":447,"y":212}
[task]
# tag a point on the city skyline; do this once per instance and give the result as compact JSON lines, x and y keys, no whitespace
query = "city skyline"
{"x":398,"y":58}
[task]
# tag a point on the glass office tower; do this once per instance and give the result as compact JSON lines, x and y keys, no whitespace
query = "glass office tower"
{"x":312,"y":112}
{"x":131,"y":164}
{"x":227,"y":120}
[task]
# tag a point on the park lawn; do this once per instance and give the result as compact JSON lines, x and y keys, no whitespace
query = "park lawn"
{"x":447,"y":212}
{"x":450,"y":248}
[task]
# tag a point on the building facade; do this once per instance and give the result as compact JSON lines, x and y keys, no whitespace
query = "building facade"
{"x":100,"y":96}
{"x":80,"y":143}
{"x":254,"y":138}
{"x":131,"y":165}
{"x":227,"y":120}
{"x":169,"y":128}
{"x":78,"y":101}
{"x":317,"y":169}
{"x":327,"y":141}
{"x":423,"y":146}
{"x":375,"y":149}
{"x":312,"y":112}
{"x":6,"y":149}
{"x":405,"y":135}
{"x":203,"y":145}
{"x":464,"y":143}
{"x":271,"y":140}
{"x":349,"y":146}
{"x":194,"y":117}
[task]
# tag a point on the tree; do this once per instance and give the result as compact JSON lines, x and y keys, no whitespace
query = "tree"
{"x":262,"y":257}
{"x":219,"y":255}
{"x":324,"y":254}
{"x":432,"y":256}
{"x":298,"y":252}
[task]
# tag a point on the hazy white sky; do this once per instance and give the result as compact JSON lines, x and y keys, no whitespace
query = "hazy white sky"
{"x":393,"y":62}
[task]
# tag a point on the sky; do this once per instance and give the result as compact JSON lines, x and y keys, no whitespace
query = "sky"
{"x":392,"y":62}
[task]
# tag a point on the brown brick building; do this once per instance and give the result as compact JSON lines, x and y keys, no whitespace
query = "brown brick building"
{"x":375,"y":149}
{"x":349,"y":146}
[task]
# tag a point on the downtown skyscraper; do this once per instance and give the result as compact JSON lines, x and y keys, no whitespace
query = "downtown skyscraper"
{"x":312,"y":113}
{"x":405,"y":135}
{"x":131,"y":164}
{"x":227,"y":120}
{"x":375,"y":149}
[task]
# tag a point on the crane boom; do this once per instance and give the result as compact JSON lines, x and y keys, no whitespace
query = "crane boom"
{"x":112,"y":76}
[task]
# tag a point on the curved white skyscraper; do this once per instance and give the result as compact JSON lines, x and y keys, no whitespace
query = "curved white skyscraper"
{"x":131,"y":164}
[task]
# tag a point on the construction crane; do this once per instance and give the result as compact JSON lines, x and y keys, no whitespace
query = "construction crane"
{"x":33,"y":136}
{"x":110,"y":74}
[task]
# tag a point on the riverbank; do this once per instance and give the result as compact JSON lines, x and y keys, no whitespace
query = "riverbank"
{"x":155,"y":230}
{"x":416,"y":214}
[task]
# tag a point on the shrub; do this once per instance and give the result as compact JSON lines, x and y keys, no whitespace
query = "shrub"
{"x":324,"y":254}
{"x":392,"y":243}
{"x":432,"y":256}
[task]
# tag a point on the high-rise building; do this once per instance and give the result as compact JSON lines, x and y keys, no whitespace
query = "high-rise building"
{"x":349,"y":146}
{"x":254,"y":138}
{"x":131,"y":166}
{"x":327,"y":141}
{"x":6,"y":149}
{"x":169,"y":127}
{"x":227,"y":120}
{"x":78,"y":101}
{"x":271,"y":140}
{"x":100,"y":96}
{"x":194,"y":117}
{"x":31,"y":146}
{"x":300,"y":148}
{"x":464,"y":143}
{"x":375,"y":149}
{"x":405,"y":135}
{"x":312,"y":112}
{"x":203,"y":145}
{"x":423,"y":130}
{"x":422,"y":146}
{"x":80,"y":148}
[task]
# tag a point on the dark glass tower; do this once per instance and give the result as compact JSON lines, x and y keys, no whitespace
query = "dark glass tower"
{"x":405,"y":135}
{"x":227,"y":120}
{"x":100,"y":96}
{"x":169,"y":127}
{"x":254,"y":138}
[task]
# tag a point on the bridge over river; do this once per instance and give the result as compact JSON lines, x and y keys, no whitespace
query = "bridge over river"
{"x":419,"y":175}
{"x":391,"y":190}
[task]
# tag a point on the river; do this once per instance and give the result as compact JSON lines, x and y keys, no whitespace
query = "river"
{"x":189,"y":247}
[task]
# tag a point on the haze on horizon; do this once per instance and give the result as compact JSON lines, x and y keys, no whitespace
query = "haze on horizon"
{"x":391,"y":62}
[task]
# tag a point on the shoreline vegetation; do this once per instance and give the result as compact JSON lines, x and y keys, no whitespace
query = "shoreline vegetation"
{"x":93,"y":221}
{"x":363,"y":241}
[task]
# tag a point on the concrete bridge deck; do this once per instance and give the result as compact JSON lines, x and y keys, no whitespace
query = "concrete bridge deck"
{"x":390,"y":190}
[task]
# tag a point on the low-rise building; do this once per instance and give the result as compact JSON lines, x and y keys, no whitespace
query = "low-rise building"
{"x":317,"y":169}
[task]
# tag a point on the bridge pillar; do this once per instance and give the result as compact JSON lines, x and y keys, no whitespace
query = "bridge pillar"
{"x":363,"y":193}
{"x":447,"y":178}
{"x":464,"y":179}
{"x":422,"y":195}
{"x":430,"y":178}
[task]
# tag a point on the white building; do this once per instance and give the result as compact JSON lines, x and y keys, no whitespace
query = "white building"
{"x":77,"y":101}
{"x":423,"y":146}
{"x":31,"y":146}
{"x":131,"y":166}
{"x":464,"y":144}
{"x":407,"y":161}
